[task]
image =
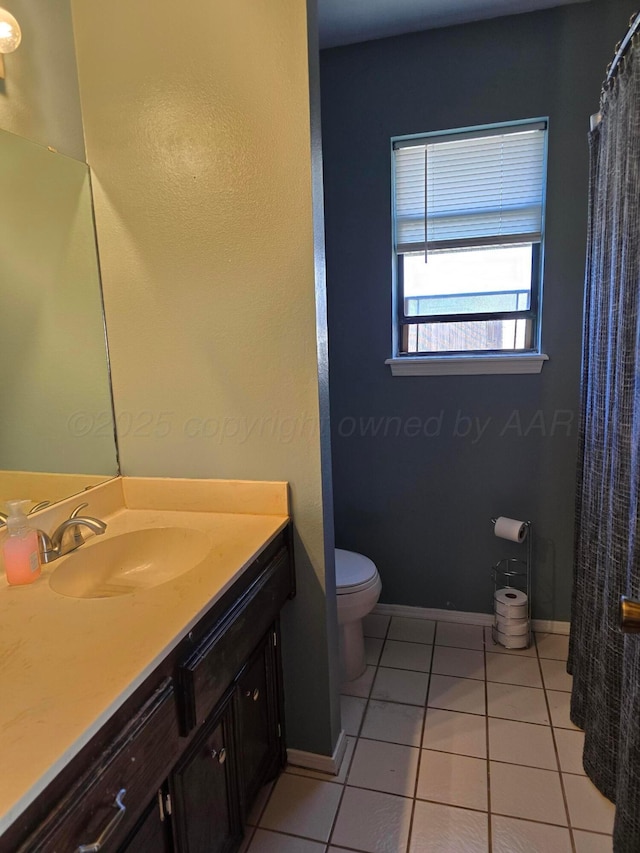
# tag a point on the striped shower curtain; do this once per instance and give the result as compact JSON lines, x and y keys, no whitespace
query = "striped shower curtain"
{"x":606,"y":664}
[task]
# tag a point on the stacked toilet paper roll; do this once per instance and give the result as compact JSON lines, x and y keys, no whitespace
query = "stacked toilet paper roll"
{"x":512,"y":618}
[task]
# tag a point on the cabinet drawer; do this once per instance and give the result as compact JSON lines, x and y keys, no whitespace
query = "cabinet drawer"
{"x":209,"y":671}
{"x":136,"y":762}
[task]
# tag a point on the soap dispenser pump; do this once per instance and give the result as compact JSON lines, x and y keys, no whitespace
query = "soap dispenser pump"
{"x":20,"y":547}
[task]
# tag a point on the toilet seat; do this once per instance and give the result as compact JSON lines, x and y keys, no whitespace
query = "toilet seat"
{"x":354,"y":572}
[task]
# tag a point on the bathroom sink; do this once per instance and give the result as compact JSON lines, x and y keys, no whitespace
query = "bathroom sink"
{"x":129,"y":562}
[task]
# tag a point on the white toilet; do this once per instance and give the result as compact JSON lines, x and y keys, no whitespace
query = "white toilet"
{"x":358,"y":588}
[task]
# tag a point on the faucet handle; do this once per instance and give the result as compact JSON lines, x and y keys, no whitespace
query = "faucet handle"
{"x":78,"y":538}
{"x":46,"y":549}
{"x":74,"y":513}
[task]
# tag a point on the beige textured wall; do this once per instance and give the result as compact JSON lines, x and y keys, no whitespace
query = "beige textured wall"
{"x":39,"y":96}
{"x":197,"y":130}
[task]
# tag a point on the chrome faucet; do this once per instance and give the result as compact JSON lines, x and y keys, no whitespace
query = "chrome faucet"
{"x":59,"y":544}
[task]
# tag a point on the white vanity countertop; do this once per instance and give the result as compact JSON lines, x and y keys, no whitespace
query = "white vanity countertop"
{"x":67,"y":664}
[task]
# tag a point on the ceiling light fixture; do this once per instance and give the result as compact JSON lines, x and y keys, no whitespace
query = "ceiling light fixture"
{"x":10,"y":36}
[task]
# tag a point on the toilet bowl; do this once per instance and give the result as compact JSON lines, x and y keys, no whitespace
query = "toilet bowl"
{"x":358,"y":589}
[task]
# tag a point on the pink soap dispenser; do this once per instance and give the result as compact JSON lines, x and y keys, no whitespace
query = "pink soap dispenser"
{"x":20,"y":548}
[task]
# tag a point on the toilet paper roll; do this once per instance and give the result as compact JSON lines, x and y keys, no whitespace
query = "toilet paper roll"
{"x":513,"y":611}
{"x":510,"y":617}
{"x":518,"y":642}
{"x":510,"y":528}
{"x":511,"y":597}
{"x":512,"y":627}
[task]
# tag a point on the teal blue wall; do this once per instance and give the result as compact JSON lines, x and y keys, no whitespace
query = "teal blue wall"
{"x":420,"y":506}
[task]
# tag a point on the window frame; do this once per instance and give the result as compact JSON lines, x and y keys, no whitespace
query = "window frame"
{"x":402,"y":321}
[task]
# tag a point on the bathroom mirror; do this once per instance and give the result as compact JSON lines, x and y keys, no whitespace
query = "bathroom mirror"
{"x":56,"y":427}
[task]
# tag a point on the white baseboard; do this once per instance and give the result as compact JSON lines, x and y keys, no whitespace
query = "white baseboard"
{"x":316,"y":761}
{"x":433,"y":613}
{"x":546,"y":625}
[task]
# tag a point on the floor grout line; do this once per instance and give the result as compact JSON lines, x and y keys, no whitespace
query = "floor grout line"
{"x":357,"y":738}
{"x":486,"y":726}
{"x":261,"y":811}
{"x":555,"y":747}
{"x":301,"y":771}
{"x":421,"y":747}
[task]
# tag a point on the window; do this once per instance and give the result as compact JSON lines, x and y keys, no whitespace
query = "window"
{"x":468,"y":234}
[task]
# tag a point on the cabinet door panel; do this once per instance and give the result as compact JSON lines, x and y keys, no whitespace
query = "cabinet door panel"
{"x":205,"y":794}
{"x":152,"y":833}
{"x":256,"y":702}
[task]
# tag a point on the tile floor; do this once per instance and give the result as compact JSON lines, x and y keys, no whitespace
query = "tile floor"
{"x":454,"y":746}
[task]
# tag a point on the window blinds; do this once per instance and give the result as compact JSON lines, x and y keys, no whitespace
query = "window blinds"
{"x":484,"y":188}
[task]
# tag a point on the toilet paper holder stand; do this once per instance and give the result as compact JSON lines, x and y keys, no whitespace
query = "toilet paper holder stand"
{"x":515,"y":572}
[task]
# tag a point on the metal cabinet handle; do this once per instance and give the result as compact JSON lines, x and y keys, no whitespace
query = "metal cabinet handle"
{"x":255,"y":695}
{"x":110,"y":828}
{"x":629,"y":615}
{"x":221,"y":755}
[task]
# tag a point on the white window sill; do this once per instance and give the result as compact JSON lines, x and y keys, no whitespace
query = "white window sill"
{"x":466,"y":365}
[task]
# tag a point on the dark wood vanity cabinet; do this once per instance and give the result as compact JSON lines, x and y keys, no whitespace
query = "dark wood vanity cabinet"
{"x":204,"y":789}
{"x":177,"y":768}
{"x":237,"y":749}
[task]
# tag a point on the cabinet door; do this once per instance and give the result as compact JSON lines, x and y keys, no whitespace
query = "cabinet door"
{"x":258,"y":723}
{"x":205,"y":814}
{"x":152,"y":834}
